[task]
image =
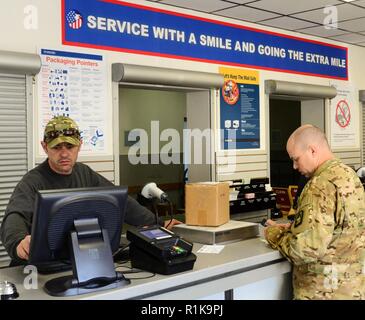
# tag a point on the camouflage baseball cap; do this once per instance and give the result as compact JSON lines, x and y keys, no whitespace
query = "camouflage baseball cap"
{"x":61,"y":129}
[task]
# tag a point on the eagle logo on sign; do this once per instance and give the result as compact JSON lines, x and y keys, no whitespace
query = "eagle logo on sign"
{"x":230,"y":92}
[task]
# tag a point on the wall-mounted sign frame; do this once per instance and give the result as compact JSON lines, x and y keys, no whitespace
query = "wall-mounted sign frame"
{"x":74,"y":84}
{"x":240,"y":109}
{"x":128,"y":27}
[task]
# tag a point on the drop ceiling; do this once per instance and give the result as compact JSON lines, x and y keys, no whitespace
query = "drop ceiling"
{"x":339,"y":20}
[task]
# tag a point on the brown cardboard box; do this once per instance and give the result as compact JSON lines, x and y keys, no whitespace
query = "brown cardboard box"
{"x":207,"y":203}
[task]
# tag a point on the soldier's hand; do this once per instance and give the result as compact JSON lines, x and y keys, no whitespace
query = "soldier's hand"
{"x":270,"y":222}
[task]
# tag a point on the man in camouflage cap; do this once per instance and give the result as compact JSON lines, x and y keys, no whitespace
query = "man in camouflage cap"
{"x":61,"y":143}
{"x":326,"y":240}
{"x":61,"y":129}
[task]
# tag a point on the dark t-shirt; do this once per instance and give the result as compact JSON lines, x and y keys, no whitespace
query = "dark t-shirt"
{"x":19,"y":212}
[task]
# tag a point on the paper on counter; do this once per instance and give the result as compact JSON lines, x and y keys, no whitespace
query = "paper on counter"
{"x":211,"y":248}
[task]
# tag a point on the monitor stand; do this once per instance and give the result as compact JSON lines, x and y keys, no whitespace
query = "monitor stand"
{"x":92,"y":263}
{"x":68,"y":285}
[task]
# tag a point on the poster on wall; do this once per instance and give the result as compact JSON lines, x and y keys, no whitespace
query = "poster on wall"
{"x":240,"y":109}
{"x":74,"y":84}
{"x":344,"y":118}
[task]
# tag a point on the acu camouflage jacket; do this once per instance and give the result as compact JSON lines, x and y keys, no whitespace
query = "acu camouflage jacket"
{"x":326,"y":241}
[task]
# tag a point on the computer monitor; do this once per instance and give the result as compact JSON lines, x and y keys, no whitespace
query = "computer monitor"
{"x":82,"y":226}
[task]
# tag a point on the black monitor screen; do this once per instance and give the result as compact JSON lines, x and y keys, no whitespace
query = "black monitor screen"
{"x":56,"y":211}
{"x":77,"y":225}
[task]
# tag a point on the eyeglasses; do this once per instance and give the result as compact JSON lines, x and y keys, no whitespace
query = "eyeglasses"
{"x":71,"y":132}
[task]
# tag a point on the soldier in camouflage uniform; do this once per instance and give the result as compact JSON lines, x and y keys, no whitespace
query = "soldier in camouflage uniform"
{"x":326,"y":241}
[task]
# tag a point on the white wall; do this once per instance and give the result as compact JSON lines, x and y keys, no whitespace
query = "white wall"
{"x":312,"y":112}
{"x":139,"y":106}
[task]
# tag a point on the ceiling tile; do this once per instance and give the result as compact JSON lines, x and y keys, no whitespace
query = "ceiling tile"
{"x":290,"y":6}
{"x":351,"y":16}
{"x":360,"y":3}
{"x":350,"y":37}
{"x":314,"y":15}
{"x":321,"y":31}
{"x":240,"y":1}
{"x":201,"y":5}
{"x":247,"y":14}
{"x":287,"y":23}
{"x":344,"y":12}
{"x":355,"y":25}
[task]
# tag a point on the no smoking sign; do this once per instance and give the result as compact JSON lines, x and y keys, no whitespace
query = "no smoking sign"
{"x":343,"y":114}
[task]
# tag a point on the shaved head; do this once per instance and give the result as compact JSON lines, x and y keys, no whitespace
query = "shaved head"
{"x":309,"y":134}
{"x":308,"y":147}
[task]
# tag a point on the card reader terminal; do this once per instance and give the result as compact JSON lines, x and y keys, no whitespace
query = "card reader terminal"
{"x":159,"y":250}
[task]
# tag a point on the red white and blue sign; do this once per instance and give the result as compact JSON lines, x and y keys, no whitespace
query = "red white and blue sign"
{"x":127,"y":27}
{"x":74,"y":19}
